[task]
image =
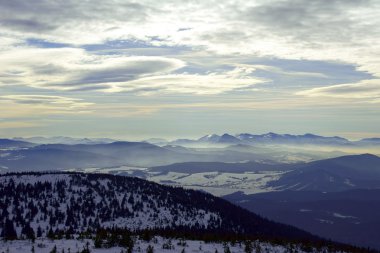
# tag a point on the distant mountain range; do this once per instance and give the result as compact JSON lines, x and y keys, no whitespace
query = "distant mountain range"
{"x":64,"y":140}
{"x":242,"y":138}
{"x":273,"y":138}
{"x":21,"y":155}
{"x":62,"y":156}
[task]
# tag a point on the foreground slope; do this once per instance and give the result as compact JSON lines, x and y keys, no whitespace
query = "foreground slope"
{"x":74,"y":202}
{"x":158,"y":245}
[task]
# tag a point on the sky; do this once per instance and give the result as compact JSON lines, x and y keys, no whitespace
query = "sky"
{"x":141,"y":69}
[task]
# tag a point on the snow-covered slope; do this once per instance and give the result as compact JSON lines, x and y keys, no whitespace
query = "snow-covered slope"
{"x":74,"y":202}
{"x":88,"y":200}
{"x":158,"y":244}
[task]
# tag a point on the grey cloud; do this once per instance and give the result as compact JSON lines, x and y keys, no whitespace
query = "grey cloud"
{"x":27,"y":25}
{"x":91,"y":88}
{"x":45,"y":15}
{"x":352,"y":90}
{"x":127,"y":73}
{"x":46,"y":69}
{"x":92,"y":79}
{"x":310,"y":21}
{"x":45,"y":100}
{"x":75,"y":69}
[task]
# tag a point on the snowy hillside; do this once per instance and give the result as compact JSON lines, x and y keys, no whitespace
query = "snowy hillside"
{"x":80,"y":201}
{"x":40,"y":203}
{"x":101,"y":213}
{"x":157,"y":244}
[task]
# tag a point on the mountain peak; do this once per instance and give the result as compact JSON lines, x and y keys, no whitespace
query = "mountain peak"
{"x":227,"y":138}
{"x":209,"y":138}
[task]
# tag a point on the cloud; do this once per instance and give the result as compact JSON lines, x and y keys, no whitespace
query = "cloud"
{"x":278,"y":70}
{"x":341,"y":30}
{"x":75,"y":69}
{"x":38,"y":106}
{"x":70,"y":103}
{"x":313,"y":22}
{"x":215,"y":25}
{"x":19,"y":124}
{"x":53,"y":17}
{"x":368,"y":90}
{"x":206,"y":84}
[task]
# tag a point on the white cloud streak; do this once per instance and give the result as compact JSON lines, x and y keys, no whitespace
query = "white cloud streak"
{"x":70,"y":103}
{"x":37,"y":106}
{"x":368,"y":90}
{"x":75,"y":69}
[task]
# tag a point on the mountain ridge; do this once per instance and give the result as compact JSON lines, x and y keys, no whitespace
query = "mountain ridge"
{"x":78,"y":201}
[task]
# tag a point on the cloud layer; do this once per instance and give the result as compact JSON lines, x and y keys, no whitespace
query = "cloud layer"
{"x":344,"y":31}
{"x":144,"y":57}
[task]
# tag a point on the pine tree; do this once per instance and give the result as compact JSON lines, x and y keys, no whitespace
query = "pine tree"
{"x":86,"y":249}
{"x":50,"y":234}
{"x":54,"y":250}
{"x":28,"y":231}
{"x":126,"y":241}
{"x":248,"y":247}
{"x":150,"y":249}
{"x":39,"y":231}
{"x":227,"y":249}
{"x":257,"y":247}
{"x":9,"y":232}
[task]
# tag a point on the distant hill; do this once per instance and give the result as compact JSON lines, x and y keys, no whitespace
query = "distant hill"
{"x":369,"y":141}
{"x":64,"y":140}
{"x":39,"y":158}
{"x":335,"y":174}
{"x":62,"y":156}
{"x":11,"y":144}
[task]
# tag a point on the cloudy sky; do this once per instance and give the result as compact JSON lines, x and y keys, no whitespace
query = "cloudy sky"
{"x":139,"y":69}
